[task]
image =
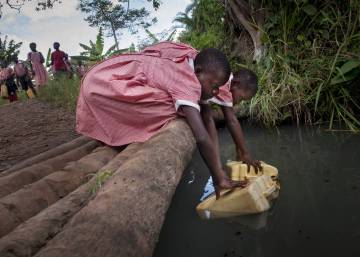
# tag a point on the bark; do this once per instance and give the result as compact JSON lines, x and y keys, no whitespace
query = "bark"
{"x":48,"y":154}
{"x":30,"y":200}
{"x":29,"y":237}
{"x":249,"y":17}
{"x":24,"y":176}
{"x":125,"y":218}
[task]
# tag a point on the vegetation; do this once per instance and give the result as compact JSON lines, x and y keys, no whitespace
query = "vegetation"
{"x":8,"y":50}
{"x":100,"y":179}
{"x":61,"y":92}
{"x":114,"y":16}
{"x":308,"y":65}
{"x":94,"y":52}
{"x":166,"y":35}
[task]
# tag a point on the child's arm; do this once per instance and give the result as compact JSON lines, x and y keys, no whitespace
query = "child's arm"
{"x":208,"y":151}
{"x":42,"y":59}
{"x":238,"y":136}
{"x":207,"y":116}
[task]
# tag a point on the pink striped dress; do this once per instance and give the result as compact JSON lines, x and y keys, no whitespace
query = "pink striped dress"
{"x":224,"y":97}
{"x":130,"y":97}
{"x":41,"y":75}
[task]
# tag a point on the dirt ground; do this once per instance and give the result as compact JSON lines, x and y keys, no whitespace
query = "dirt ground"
{"x":32,"y":127}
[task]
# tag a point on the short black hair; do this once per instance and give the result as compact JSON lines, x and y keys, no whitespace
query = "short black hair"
{"x":213,"y":60}
{"x":32,"y":44}
{"x":246,"y":79}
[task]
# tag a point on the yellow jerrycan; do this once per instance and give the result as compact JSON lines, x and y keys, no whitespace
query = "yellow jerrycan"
{"x":4,"y":92}
{"x":254,"y":198}
{"x":239,"y":171}
{"x":30,"y":93}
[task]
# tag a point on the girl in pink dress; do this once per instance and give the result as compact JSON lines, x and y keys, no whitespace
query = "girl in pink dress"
{"x":130,"y":97}
{"x":38,"y":69}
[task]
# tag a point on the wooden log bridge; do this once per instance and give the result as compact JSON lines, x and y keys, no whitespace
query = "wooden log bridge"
{"x":106,"y":203}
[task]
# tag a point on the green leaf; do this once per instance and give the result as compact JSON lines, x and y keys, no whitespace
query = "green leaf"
{"x":349,"y":65}
{"x":310,"y":9}
{"x":300,"y":37}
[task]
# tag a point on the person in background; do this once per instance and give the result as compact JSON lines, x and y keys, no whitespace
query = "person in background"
{"x":8,"y":76}
{"x":80,"y":69}
{"x":22,"y":77}
{"x":58,"y":61}
{"x":38,"y":70}
{"x":242,"y":86}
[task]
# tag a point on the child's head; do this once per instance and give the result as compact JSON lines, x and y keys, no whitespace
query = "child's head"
{"x":32,"y":46}
{"x":56,"y":45}
{"x":244,"y":85}
{"x":15,"y":59}
{"x":79,"y":63}
{"x":212,"y":70}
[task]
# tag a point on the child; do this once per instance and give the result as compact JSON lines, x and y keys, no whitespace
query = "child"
{"x":22,"y":77}
{"x":8,"y":77}
{"x":130,"y":97}
{"x":242,"y":86}
{"x":58,"y":61}
{"x":36,"y":60}
{"x":80,"y":69}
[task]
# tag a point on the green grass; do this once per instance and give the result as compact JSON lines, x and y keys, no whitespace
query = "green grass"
{"x":62,"y":92}
{"x":100,"y":179}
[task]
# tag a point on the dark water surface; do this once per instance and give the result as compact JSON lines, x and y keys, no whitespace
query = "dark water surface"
{"x":316,"y":215}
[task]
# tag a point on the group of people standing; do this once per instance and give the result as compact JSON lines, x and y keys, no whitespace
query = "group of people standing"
{"x":22,"y":74}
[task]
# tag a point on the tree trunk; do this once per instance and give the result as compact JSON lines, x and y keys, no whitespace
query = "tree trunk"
{"x":32,"y":173}
{"x":115,"y":37}
{"x":30,"y":200}
{"x":243,"y":15}
{"x":49,"y":154}
{"x":125,"y":217}
{"x":26,"y":239}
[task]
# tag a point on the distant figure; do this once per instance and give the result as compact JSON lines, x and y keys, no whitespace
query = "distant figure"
{"x":69,"y":68}
{"x":23,"y":78}
{"x":59,"y":61}
{"x":37,"y":68}
{"x":80,"y":69}
{"x":8,"y":76}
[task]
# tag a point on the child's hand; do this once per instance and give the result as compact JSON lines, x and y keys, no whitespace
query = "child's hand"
{"x":246,"y":158}
{"x":227,"y":183}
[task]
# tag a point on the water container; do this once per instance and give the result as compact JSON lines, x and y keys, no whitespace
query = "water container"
{"x":239,"y":171}
{"x":4,"y":91}
{"x":30,"y":93}
{"x":254,"y":198}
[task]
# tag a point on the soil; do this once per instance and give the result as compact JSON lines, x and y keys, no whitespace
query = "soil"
{"x":32,"y":127}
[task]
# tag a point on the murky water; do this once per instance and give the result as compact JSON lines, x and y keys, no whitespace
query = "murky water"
{"x":316,"y":215}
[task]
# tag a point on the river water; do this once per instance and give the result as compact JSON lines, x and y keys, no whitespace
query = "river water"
{"x":316,"y":215}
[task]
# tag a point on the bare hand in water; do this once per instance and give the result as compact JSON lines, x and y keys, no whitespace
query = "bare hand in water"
{"x":227,"y":183}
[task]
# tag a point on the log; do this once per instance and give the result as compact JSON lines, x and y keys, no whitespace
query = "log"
{"x":48,"y":154}
{"x":29,"y":237}
{"x":30,"y":174}
{"x":125,"y":217}
{"x":30,"y":200}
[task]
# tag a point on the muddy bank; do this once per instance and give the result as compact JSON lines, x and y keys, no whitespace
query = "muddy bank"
{"x":32,"y":127}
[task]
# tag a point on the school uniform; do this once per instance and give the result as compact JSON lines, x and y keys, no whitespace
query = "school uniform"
{"x":130,"y":97}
